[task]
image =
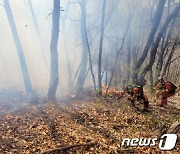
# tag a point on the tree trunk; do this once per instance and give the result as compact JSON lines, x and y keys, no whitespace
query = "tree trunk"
{"x":170,"y":56}
{"x":156,"y":44}
{"x":129,"y":56}
{"x":100,"y":49}
{"x":83,"y":9}
{"x":164,"y":47}
{"x":20,"y":52}
{"x":151,"y":78}
{"x":83,"y":66}
{"x":54,"y":78}
{"x":135,"y":54}
{"x":157,"y":18}
{"x":160,"y":61}
{"x":106,"y":78}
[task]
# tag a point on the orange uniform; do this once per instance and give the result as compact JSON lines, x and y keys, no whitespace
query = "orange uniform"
{"x":166,"y":90}
{"x":137,"y":94}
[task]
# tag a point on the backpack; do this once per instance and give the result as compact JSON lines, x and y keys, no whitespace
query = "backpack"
{"x":129,"y":90}
{"x":160,"y":85}
{"x":173,"y":87}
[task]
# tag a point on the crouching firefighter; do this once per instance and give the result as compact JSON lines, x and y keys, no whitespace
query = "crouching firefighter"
{"x":137,"y":93}
{"x":165,"y":89}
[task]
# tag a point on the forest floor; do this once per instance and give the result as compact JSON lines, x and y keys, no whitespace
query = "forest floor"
{"x":91,"y":126}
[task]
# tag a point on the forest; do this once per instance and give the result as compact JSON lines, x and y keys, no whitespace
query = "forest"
{"x":85,"y":74}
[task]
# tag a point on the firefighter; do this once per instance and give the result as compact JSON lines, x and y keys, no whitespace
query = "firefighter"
{"x":165,"y":89}
{"x":137,"y":93}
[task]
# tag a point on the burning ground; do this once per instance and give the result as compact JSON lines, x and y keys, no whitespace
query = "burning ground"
{"x":95,"y":125}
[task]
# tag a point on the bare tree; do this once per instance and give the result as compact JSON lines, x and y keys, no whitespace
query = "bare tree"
{"x":100,"y":49}
{"x":86,"y":50}
{"x":83,"y":10}
{"x":168,"y":62}
{"x":83,"y":66}
{"x":157,"y":19}
{"x":128,"y":56}
{"x":54,"y":78}
{"x":164,"y":46}
{"x":24,"y":69}
{"x":120,"y":49}
{"x":157,"y":41}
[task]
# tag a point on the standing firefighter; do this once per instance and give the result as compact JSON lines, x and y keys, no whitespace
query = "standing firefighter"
{"x":137,"y":93}
{"x":165,"y":89}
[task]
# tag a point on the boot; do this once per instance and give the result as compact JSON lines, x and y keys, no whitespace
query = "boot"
{"x":133,"y":102}
{"x":146,"y":106}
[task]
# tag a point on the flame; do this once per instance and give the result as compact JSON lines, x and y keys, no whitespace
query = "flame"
{"x":112,"y":91}
{"x":72,"y":95}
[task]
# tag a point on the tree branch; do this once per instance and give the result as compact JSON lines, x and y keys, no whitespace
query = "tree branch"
{"x":175,"y":59}
{"x":48,"y":15}
{"x":57,"y":150}
{"x":122,"y":44}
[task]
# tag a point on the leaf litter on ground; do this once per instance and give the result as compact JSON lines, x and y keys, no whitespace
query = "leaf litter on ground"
{"x":101,"y":121}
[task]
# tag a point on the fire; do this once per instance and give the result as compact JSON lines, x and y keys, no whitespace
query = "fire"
{"x":112,"y":92}
{"x":72,"y":95}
